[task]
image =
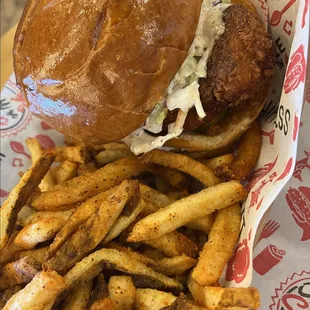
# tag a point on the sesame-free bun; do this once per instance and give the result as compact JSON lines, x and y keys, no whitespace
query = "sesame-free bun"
{"x":94,"y":69}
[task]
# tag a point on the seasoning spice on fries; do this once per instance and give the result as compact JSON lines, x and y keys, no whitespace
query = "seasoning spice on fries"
{"x":66,"y":172}
{"x":152,"y":299}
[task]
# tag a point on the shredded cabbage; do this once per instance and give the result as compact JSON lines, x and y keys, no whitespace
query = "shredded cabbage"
{"x":183,"y":91}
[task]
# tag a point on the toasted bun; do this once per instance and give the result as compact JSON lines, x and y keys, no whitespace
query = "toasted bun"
{"x":95,"y":69}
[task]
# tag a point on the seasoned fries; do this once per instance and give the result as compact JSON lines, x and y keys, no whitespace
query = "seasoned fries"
{"x":150,"y":299}
{"x":83,"y":187}
{"x":182,"y":163}
{"x":120,"y":233}
{"x":20,"y":195}
{"x":36,"y":152}
{"x":66,"y":172}
{"x":220,"y":246}
{"x":248,"y":151}
{"x":184,"y":210}
{"x":122,"y":262}
{"x":222,"y":298}
{"x":92,"y":232}
{"x":122,"y":291}
{"x":40,"y":294}
{"x":78,"y":299}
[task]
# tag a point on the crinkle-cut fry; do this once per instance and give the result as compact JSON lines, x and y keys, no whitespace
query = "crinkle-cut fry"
{"x":219,"y":248}
{"x":36,"y":152}
{"x":121,"y":262}
{"x":181,"y":212}
{"x":172,"y":176}
{"x":182,"y":163}
{"x":86,"y":186}
{"x":18,"y":272}
{"x":7,"y":294}
{"x":213,"y":297}
{"x":40,"y":294}
{"x":151,"y":299}
{"x":156,"y":200}
{"x":124,"y":221}
{"x":214,"y":162}
{"x":248,"y":151}
{"x":122,"y":290}
{"x":76,"y":154}
{"x":66,"y":172}
{"x":174,"y":244}
{"x":40,"y":230}
{"x":93,"y":231}
{"x":19,"y":196}
{"x":82,"y":213}
{"x":77,"y":298}
{"x":86,"y":168}
{"x":38,"y":255}
{"x":169,"y":266}
{"x":107,"y":156}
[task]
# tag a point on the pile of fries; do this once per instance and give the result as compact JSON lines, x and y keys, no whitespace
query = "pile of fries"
{"x":99,"y":228}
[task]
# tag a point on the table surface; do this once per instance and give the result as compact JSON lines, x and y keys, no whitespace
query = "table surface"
{"x":7,"y":55}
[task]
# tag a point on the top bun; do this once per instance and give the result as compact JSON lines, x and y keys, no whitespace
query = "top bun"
{"x":94,"y":69}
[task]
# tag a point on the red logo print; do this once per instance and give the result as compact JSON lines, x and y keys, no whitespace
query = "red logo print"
{"x":277,"y":15}
{"x":293,"y":294}
{"x":239,"y":264}
{"x":3,"y":193}
{"x":17,"y":162}
{"x":295,"y":71}
{"x":270,"y":135}
{"x":270,"y":228}
{"x":301,"y":165}
{"x":298,"y":201}
{"x":18,"y":148}
{"x":45,"y":141}
{"x":286,"y":170}
{"x":306,"y":9}
{"x":260,"y":173}
{"x":267,"y":259}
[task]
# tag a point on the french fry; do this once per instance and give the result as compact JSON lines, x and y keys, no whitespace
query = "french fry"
{"x":18,"y":272}
{"x":82,"y":213}
{"x":7,"y":294}
{"x":19,"y":196}
{"x":183,"y":211}
{"x":172,"y":176}
{"x":76,"y":154}
{"x":111,"y":146}
{"x":66,"y":172}
{"x":41,"y":229}
{"x":122,"y":291}
{"x":86,"y":186}
{"x":150,"y":299}
{"x":86,"y":168}
{"x":92,"y":232}
{"x":124,"y":221}
{"x":222,"y":298}
{"x":40,"y":294}
{"x":78,"y":297}
{"x":36,"y":152}
{"x":203,"y":224}
{"x":38,"y":255}
{"x":248,"y":151}
{"x":100,"y":291}
{"x":182,"y":163}
{"x":107,"y":156}
{"x":10,"y":250}
{"x":184,"y":303}
{"x":25,"y":215}
{"x":214,"y":162}
{"x":122,"y":262}
{"x":220,"y":246}
{"x":174,"y":244}
{"x":169,"y":266}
